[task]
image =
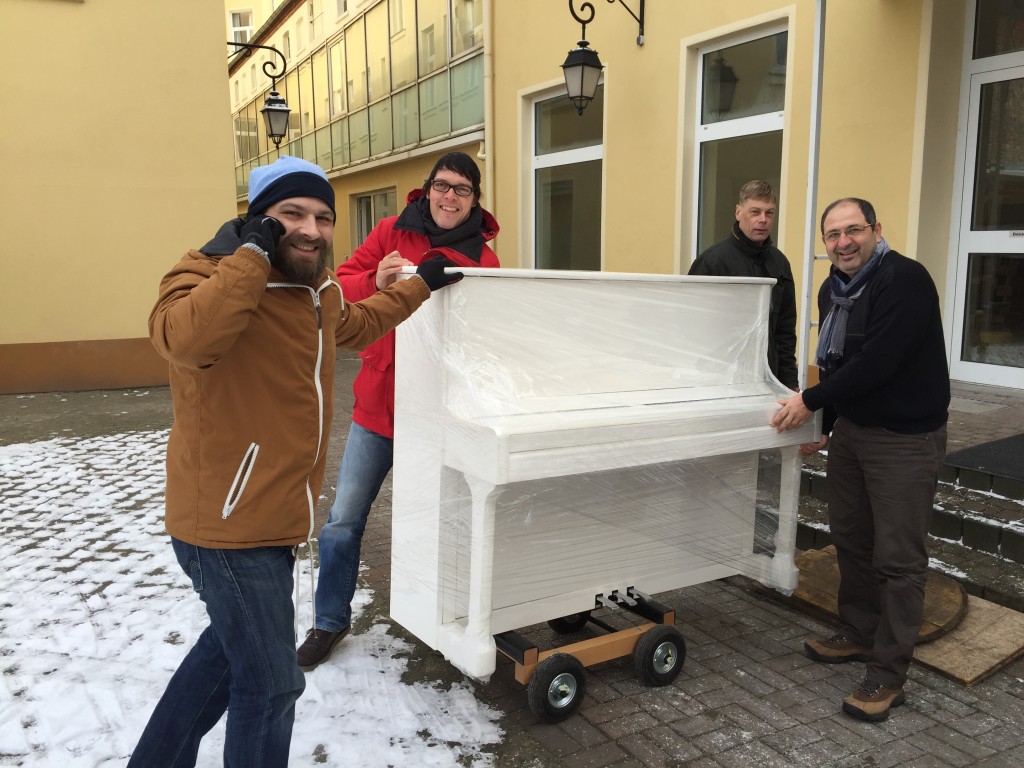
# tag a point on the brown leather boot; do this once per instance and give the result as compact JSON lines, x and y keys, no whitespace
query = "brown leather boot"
{"x":872,"y":701}
{"x":836,"y":650}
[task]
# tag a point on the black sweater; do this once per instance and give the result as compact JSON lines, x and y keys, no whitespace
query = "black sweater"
{"x":893,"y":373}
{"x":738,"y":256}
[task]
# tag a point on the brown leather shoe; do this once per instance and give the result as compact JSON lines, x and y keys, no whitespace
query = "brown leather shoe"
{"x":317,"y":647}
{"x":872,"y":701}
{"x":836,"y":650}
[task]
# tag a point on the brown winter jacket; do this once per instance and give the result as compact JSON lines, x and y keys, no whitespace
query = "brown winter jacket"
{"x":252,"y":381}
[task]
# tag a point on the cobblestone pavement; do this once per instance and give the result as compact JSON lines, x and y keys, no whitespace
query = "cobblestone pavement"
{"x":747,"y":696}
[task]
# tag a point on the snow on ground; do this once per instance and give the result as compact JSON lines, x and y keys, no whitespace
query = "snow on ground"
{"x":95,"y":615}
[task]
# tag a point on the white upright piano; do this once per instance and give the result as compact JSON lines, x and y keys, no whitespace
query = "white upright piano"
{"x":563,"y":435}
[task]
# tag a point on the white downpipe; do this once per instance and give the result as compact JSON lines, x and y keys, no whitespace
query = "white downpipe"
{"x":488,"y":155}
{"x":811,"y":231}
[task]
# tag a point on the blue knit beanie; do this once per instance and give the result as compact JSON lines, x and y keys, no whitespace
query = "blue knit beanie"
{"x":284,"y":178}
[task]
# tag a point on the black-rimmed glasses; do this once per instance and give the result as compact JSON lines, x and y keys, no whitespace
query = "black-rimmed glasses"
{"x":462,"y":190}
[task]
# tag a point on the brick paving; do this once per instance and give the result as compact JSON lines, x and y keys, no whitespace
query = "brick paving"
{"x":746,"y":696}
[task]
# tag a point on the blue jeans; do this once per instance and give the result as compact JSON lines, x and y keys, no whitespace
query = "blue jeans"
{"x":244,"y":663}
{"x":364,"y":465}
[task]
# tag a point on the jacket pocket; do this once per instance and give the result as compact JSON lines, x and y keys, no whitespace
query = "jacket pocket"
{"x":241,"y":479}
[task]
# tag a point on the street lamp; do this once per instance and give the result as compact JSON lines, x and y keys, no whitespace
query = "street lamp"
{"x":275,"y":110}
{"x":582,"y":67}
{"x":722,"y":79}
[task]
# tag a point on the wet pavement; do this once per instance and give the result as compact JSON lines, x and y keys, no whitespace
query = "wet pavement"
{"x":746,"y":696}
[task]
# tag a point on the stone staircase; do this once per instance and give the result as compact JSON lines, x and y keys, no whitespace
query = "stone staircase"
{"x":977,"y":531}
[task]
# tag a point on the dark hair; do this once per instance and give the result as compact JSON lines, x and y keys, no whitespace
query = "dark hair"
{"x":757,"y":190}
{"x":865,"y":207}
{"x":457,"y":162}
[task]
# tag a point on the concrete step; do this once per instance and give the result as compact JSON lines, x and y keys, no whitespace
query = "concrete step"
{"x":977,"y":537}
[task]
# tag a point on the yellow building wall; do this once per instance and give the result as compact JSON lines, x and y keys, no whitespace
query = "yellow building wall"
{"x":891,"y":79}
{"x":122,"y":160}
{"x":889,"y":121}
{"x":649,"y":119}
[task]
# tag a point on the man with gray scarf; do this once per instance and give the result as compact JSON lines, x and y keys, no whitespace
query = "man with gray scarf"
{"x":885,"y":392}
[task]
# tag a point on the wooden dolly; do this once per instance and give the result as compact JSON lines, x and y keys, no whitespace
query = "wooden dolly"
{"x":555,"y":677}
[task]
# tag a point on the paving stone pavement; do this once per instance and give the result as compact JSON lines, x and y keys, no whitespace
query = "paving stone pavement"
{"x":747,"y":696}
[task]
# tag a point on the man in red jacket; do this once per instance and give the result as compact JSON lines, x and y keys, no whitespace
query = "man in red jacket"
{"x":444,"y":217}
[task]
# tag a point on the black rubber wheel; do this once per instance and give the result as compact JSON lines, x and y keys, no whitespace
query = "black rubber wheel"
{"x":567,"y":625}
{"x":556,"y":688}
{"x":659,"y":655}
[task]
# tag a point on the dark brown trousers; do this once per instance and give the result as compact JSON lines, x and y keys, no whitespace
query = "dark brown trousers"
{"x":881,"y":494}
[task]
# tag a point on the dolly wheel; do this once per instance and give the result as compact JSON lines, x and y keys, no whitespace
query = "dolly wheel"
{"x":567,"y":625}
{"x":659,"y":655}
{"x":556,"y":688}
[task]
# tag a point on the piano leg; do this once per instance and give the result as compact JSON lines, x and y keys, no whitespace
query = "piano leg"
{"x":784,"y":573}
{"x":470,"y":646}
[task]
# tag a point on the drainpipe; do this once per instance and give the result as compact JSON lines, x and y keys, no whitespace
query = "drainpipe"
{"x":486,"y":152}
{"x":808,"y":305}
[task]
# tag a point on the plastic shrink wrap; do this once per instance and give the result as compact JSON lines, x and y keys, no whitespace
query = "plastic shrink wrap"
{"x":560,"y":435}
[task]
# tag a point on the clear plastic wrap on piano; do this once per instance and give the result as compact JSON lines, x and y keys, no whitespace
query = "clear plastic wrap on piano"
{"x":560,"y":435}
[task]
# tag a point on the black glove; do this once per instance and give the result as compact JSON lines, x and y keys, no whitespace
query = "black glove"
{"x":263,"y":232}
{"x":433,"y":274}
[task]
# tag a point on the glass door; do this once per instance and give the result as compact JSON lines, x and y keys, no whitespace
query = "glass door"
{"x":988,"y":325}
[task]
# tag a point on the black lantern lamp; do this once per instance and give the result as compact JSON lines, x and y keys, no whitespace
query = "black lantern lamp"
{"x":722,"y":85}
{"x":582,"y":70}
{"x":582,"y":67}
{"x":275,"y":111}
{"x":275,"y":115}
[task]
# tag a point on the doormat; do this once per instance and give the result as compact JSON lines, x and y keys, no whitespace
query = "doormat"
{"x":963,"y":638}
{"x":989,"y":637}
{"x":1003,"y":458}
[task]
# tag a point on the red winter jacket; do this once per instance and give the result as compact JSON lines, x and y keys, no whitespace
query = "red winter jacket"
{"x":374,"y":387}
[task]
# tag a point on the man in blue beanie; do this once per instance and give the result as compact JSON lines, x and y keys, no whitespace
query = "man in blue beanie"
{"x":249,"y":324}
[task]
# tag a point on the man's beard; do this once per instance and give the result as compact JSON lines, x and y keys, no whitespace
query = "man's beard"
{"x":298,"y":269}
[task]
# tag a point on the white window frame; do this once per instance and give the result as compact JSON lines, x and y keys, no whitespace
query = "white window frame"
{"x":976,"y":72}
{"x":528,"y":106}
{"x":240,"y":30}
{"x":729,"y":129}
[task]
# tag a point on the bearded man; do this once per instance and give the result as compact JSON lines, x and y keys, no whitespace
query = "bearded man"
{"x":249,"y":324}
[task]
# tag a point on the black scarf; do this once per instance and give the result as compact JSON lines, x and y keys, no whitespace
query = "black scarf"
{"x":467,"y":238}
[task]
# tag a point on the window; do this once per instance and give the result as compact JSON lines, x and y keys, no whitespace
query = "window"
{"x":342,"y":7}
{"x":377,"y":47}
{"x":397,"y":16}
{"x":241,"y":26}
{"x":468,"y":93}
{"x":739,"y":132}
{"x":370,"y":209}
{"x":403,"y":45}
{"x":467,"y":30}
{"x":386,"y":81}
{"x":355,"y":64}
{"x":433,"y":25}
{"x":998,"y":28}
{"x":568,"y":155}
{"x":434,"y":107}
{"x":336,"y":55}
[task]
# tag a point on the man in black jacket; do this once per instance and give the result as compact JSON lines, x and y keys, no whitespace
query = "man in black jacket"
{"x":885,"y":393}
{"x":749,"y":252}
